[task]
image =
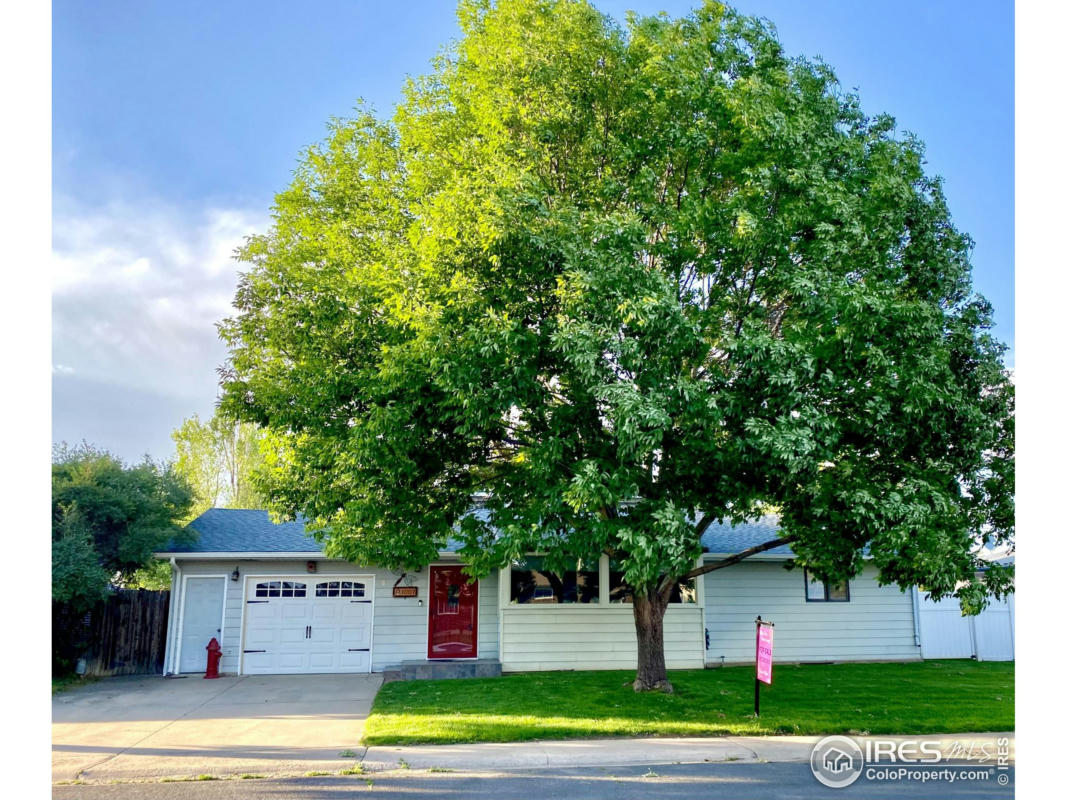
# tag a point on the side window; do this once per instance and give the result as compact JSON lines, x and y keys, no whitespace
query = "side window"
{"x":838,"y":592}
{"x":816,"y":591}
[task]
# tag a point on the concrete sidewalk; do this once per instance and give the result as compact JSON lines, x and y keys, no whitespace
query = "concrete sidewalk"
{"x":621,"y":752}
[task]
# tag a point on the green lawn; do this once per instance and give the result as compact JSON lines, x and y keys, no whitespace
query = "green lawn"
{"x":919,"y":697}
{"x":64,"y":682}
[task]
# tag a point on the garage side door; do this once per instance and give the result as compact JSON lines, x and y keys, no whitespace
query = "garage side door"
{"x":201,"y":621}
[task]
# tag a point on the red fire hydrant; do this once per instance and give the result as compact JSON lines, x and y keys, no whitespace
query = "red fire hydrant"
{"x":214,"y":653}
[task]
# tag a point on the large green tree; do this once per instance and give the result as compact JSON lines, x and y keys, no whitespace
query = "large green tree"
{"x":107,"y":520}
{"x":626,"y":280}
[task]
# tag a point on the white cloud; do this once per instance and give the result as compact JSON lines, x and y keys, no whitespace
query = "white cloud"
{"x":137,"y":290}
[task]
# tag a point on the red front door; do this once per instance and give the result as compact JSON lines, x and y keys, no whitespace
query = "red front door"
{"x":453,"y":614}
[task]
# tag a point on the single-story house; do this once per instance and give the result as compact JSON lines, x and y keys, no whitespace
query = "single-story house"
{"x":276,"y":604}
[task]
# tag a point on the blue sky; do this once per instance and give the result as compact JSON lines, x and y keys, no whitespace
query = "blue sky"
{"x":175,"y":123}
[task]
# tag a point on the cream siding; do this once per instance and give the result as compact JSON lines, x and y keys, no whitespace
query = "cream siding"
{"x":399,"y":622}
{"x":580,"y":637}
{"x":877,"y":624}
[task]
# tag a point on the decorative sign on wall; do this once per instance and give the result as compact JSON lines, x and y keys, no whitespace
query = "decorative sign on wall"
{"x":405,"y":591}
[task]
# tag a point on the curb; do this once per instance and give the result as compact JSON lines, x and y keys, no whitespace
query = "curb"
{"x":642,"y":751}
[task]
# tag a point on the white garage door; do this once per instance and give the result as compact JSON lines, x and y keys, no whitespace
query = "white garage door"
{"x":305,"y":624}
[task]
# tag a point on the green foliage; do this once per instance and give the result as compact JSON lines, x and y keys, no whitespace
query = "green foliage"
{"x":615,"y":277}
{"x":219,"y":459}
{"x":107,"y":520}
{"x":154,"y":576}
{"x":78,"y":579}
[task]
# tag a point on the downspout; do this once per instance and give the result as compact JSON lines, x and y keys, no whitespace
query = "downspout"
{"x":915,"y":618}
{"x":503,"y":594}
{"x":175,"y":584}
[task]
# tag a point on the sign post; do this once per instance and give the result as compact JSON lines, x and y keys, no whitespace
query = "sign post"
{"x":764,"y":654}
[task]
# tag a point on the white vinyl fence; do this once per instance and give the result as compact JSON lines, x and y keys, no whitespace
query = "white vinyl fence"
{"x":945,"y":633}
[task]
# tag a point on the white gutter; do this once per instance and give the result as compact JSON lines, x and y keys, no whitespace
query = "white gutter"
{"x":230,"y":555}
{"x":760,"y":557}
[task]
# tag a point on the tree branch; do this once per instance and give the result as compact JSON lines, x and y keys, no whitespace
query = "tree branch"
{"x":736,"y":557}
{"x":664,"y":589}
{"x":702,"y":526}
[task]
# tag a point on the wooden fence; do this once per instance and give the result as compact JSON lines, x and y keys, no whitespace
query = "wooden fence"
{"x":126,"y":635}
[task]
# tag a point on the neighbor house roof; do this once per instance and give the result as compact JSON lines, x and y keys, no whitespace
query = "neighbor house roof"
{"x":722,"y":538}
{"x":243,"y":530}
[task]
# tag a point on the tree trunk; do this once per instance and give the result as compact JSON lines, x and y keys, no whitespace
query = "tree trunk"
{"x":649,"y":608}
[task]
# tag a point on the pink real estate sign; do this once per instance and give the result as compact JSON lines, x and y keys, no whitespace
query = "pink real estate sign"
{"x":764,"y":652}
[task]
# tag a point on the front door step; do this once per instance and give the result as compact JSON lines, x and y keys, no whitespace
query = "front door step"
{"x":442,"y":670}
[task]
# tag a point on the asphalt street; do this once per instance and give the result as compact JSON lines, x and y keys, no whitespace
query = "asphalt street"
{"x":751,"y":781}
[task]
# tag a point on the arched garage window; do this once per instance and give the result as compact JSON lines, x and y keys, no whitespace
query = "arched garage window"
{"x":281,"y":589}
{"x":340,"y":589}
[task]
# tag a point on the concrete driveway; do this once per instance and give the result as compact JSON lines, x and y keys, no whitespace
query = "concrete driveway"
{"x":152,"y":727}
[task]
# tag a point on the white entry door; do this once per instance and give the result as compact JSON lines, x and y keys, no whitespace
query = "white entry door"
{"x":308,"y":624}
{"x":201,"y":621}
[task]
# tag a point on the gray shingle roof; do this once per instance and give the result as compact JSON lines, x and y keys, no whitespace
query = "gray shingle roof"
{"x":722,"y":537}
{"x":243,"y":530}
{"x":240,"y":530}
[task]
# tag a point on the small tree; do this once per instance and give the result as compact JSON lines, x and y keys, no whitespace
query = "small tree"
{"x":218,"y":458}
{"x":626,"y":281}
